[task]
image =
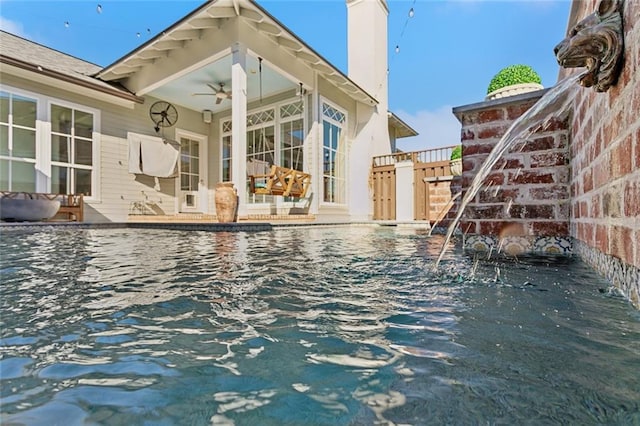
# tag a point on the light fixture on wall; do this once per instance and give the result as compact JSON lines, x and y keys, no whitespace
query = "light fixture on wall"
{"x":260,"y":76}
{"x":206,"y":116}
{"x":301,"y":91}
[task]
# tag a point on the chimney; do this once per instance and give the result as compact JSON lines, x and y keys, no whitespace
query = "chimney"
{"x":367,"y":47}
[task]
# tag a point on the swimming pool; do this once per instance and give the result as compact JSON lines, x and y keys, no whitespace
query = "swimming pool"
{"x":304,"y":325}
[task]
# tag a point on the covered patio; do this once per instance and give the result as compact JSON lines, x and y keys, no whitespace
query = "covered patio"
{"x":258,"y":89}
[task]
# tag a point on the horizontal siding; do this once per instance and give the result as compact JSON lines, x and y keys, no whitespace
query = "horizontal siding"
{"x":119,"y":188}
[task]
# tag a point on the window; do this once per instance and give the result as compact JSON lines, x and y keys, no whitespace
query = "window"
{"x":292,"y":136}
{"x":17,"y":142}
{"x":261,"y":145}
{"x":71,"y":150}
{"x":334,"y":156}
{"x":189,"y":164}
{"x":274,"y":136}
{"x":226,"y":151}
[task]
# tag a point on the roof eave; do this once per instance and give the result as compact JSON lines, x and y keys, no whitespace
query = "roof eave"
{"x":404,"y":130}
{"x":358,"y":93}
{"x":39,"y":70}
{"x":372,"y":99}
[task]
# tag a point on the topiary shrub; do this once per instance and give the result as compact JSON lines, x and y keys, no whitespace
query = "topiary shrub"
{"x":513,"y":74}
{"x":456,"y":152}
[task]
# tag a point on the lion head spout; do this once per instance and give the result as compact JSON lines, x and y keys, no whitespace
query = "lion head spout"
{"x":596,"y":43}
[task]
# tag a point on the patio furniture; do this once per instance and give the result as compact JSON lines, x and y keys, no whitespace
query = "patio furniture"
{"x":280,"y":181}
{"x":31,"y":206}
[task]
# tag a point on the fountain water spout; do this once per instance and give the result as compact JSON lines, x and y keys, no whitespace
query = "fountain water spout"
{"x":597,"y":43}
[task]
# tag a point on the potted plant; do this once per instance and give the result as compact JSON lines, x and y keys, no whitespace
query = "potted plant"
{"x":513,"y":80}
{"x":456,"y":160}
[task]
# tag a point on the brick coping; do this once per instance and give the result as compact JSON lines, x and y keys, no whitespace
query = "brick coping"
{"x":493,"y":103}
{"x":200,"y":226}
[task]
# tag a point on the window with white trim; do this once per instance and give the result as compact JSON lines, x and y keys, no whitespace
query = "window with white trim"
{"x":334,"y":167}
{"x":292,"y":136}
{"x":60,"y":161}
{"x":275,"y":135}
{"x":226,"y":151}
{"x":261,"y":145}
{"x":17,"y":142}
{"x":71,"y":150}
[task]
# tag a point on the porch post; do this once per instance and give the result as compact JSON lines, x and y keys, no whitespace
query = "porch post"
{"x":404,"y":191}
{"x":239,"y":125}
{"x":315,"y":158}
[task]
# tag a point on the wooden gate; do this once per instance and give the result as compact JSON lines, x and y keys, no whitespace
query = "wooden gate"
{"x":425,"y":175}
{"x":431,"y":177}
{"x":384,"y":192}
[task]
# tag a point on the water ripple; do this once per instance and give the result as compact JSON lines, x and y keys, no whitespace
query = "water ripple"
{"x":345,"y":325}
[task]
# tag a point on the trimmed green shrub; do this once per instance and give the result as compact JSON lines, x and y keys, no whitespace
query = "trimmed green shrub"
{"x":513,"y":74}
{"x":456,"y":153}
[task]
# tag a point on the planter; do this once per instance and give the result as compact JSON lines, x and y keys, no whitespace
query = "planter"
{"x":514,"y":89}
{"x":226,"y":199}
{"x":26,"y":209}
{"x":456,"y":167}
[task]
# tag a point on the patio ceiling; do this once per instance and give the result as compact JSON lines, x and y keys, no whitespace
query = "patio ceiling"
{"x":181,"y":90}
{"x":208,"y":22}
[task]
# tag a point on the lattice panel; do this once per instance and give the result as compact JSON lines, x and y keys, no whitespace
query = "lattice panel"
{"x":261,"y":117}
{"x":332,"y":113}
{"x":291,"y":110}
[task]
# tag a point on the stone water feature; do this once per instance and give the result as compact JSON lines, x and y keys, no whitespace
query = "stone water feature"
{"x":567,"y":182}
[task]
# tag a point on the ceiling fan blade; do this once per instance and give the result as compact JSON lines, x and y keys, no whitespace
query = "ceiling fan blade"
{"x":203,"y":94}
{"x":218,"y":100}
{"x":212,"y":87}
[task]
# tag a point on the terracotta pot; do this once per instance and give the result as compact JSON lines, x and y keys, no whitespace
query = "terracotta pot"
{"x":226,"y":202}
{"x":514,"y":89}
{"x":456,"y":167}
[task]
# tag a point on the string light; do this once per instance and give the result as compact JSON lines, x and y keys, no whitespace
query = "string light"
{"x":99,"y":10}
{"x":410,"y":15}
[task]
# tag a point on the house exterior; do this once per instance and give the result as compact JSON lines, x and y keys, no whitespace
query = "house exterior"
{"x":217,"y":96}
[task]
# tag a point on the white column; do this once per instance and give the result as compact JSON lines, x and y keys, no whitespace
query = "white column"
{"x":367,"y":64}
{"x":316,"y":165}
{"x":404,"y":191}
{"x":239,"y":125}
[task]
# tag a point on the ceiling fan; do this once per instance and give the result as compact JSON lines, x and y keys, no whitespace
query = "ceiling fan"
{"x":218,"y":92}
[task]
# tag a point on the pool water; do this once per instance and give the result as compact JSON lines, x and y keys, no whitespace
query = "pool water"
{"x":305,"y":325}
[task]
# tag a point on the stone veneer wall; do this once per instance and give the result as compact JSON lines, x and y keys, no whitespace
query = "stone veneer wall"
{"x":527,"y":192}
{"x":605,"y":163}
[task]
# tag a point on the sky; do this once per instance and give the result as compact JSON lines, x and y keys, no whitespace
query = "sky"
{"x":446,"y":55}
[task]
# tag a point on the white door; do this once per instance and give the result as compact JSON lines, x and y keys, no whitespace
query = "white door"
{"x":192,"y":190}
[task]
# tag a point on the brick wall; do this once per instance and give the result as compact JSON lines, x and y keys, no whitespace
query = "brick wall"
{"x":440,"y":200}
{"x":605,"y":153}
{"x":580,"y":177}
{"x":527,"y":191}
